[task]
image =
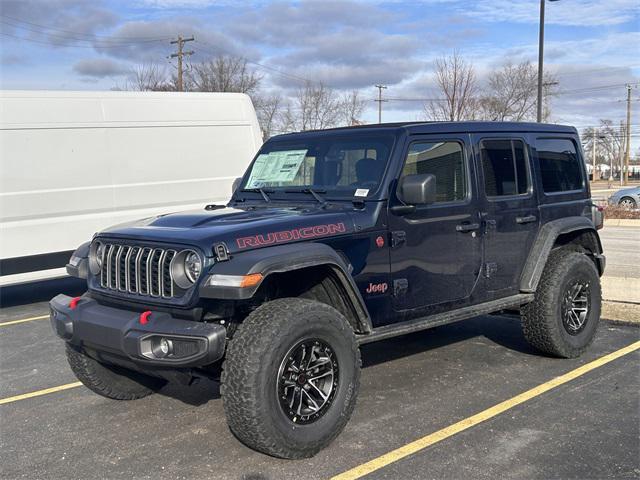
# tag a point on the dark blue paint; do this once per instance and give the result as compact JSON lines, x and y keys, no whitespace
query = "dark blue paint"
{"x":444,"y":267}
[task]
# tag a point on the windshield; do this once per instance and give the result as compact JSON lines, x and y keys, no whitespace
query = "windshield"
{"x":337,"y":165}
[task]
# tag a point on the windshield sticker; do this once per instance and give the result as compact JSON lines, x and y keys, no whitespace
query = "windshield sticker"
{"x":361,"y":192}
{"x":276,"y":167}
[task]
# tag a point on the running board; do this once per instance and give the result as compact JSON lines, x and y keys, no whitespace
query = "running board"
{"x":423,"y":323}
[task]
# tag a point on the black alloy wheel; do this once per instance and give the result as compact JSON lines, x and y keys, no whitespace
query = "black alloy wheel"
{"x":307,"y":381}
{"x":575,"y":307}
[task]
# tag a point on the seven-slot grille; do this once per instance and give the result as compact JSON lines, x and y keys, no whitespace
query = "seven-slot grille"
{"x":136,"y":269}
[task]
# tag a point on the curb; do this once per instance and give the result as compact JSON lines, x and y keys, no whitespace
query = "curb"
{"x":621,"y":222}
{"x":621,"y":313}
{"x":621,"y":289}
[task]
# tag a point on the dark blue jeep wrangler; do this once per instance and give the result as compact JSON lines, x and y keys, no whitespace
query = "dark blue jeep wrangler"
{"x":333,"y":239}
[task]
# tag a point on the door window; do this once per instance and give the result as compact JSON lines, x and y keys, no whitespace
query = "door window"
{"x":444,"y":160}
{"x":504,"y":164}
{"x":559,"y":165}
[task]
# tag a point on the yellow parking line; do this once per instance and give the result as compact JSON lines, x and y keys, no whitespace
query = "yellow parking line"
{"x":38,"y":393}
{"x":14,"y":322}
{"x":424,"y":442}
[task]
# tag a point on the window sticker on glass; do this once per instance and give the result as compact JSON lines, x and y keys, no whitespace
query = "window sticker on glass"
{"x":361,"y":192}
{"x":276,"y":167}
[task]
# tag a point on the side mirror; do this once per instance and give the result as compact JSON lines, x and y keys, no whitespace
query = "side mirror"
{"x":419,"y":189}
{"x":235,"y":185}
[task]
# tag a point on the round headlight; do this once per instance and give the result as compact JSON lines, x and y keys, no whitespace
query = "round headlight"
{"x":192,"y":266}
{"x":99,"y":254}
{"x":96,"y":252}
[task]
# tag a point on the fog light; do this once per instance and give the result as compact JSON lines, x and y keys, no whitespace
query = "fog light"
{"x":162,"y":347}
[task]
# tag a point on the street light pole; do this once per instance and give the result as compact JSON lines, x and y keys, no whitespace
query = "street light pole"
{"x":541,"y":60}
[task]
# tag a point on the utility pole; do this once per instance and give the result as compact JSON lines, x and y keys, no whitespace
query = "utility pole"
{"x":627,"y":152}
{"x":179,"y":54}
{"x":380,"y":100}
{"x":622,"y":154}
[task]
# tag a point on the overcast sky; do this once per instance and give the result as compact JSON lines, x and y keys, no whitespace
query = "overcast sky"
{"x":592,"y":45}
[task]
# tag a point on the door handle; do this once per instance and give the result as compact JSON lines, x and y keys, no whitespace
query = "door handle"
{"x":467,"y":227}
{"x":527,"y":219}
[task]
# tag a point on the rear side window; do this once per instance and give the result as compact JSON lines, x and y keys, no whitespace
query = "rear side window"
{"x":559,"y":165}
{"x":504,"y":163}
{"x":445,"y":160}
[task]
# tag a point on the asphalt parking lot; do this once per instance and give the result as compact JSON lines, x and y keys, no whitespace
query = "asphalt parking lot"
{"x":412,"y":388}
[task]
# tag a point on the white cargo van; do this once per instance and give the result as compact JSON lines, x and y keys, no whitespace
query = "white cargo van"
{"x":72,"y":163}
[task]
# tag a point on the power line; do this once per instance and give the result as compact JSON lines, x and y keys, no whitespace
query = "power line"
{"x":63,"y":45}
{"x":90,"y":35}
{"x":257,"y":64}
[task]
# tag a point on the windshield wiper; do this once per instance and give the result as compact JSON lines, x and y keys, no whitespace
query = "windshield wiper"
{"x":258,"y":190}
{"x":315,"y":193}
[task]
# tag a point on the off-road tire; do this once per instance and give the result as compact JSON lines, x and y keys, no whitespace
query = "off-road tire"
{"x":111,"y":381}
{"x":251,"y":369}
{"x":542,"y":319}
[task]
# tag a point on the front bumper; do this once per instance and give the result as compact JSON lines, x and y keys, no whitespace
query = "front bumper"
{"x":122,"y":333}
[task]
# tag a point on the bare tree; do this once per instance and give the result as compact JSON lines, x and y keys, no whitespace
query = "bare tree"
{"x":149,"y":76}
{"x":609,"y":144}
{"x":511,"y":93}
{"x":269,"y":112}
{"x":315,"y":107}
{"x":224,"y":74}
{"x":456,"y":80}
{"x":352,"y":105}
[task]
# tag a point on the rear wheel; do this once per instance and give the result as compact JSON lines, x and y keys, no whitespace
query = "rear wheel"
{"x":290,"y":377}
{"x":563,"y":318}
{"x":110,"y":381}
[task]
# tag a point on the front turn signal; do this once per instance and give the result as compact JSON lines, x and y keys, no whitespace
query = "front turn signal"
{"x":237,"y":281}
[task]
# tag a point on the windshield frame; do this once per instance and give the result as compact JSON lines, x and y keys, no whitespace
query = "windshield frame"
{"x":286,"y":192}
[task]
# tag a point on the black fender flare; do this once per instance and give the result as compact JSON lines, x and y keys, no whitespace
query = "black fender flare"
{"x":79,"y":269}
{"x":287,"y":258}
{"x":547,"y":236}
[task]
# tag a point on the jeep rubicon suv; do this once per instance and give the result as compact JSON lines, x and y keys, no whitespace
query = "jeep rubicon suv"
{"x":333,"y":239}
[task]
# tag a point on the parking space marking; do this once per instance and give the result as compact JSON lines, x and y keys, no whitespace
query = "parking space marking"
{"x":433,"y":438}
{"x":14,"y":322}
{"x":39,"y":393}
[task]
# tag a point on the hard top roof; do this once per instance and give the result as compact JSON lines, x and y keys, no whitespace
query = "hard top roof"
{"x":416,"y":128}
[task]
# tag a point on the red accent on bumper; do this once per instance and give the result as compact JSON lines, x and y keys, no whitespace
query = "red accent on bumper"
{"x":74,"y":302}
{"x":144,"y":317}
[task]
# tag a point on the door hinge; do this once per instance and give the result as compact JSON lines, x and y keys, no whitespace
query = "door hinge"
{"x":490,"y":269}
{"x":398,"y":238}
{"x":400,"y":287}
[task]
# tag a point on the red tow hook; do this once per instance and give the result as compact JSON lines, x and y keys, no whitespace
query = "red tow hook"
{"x":144,"y":317}
{"x":74,"y":302}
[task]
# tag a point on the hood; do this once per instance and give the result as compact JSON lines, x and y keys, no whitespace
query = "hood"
{"x":239,"y":228}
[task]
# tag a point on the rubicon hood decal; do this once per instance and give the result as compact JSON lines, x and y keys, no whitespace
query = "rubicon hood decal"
{"x":240,"y":229}
{"x":314,"y":231}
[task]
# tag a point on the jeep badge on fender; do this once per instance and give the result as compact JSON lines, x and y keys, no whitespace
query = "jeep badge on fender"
{"x":282,"y":286}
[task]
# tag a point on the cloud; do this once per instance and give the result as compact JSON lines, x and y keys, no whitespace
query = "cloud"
{"x":100,"y":68}
{"x":57,"y":22}
{"x":12,"y":59}
{"x":580,"y":13}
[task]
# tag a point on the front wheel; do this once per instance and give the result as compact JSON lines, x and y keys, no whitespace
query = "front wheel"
{"x":290,"y":377}
{"x":109,"y":380}
{"x":563,"y":318}
{"x":627,"y":202}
